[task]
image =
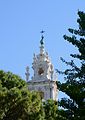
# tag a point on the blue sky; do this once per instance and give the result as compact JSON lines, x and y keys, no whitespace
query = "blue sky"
{"x":20,"y":24}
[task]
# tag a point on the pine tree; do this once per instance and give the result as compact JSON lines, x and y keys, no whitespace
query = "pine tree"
{"x":74,"y":85}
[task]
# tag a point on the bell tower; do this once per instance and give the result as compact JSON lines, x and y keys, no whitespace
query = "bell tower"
{"x":42,"y":66}
{"x":43,"y":79}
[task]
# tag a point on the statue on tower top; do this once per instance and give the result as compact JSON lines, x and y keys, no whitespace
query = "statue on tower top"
{"x":42,"y":37}
{"x":42,"y":43}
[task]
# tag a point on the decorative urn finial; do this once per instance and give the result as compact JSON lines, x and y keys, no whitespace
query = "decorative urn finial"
{"x":27,"y":73}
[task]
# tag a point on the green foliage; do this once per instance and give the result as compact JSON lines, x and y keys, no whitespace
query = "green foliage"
{"x":74,"y":85}
{"x":16,"y":102}
{"x":10,"y":80}
{"x":50,"y":109}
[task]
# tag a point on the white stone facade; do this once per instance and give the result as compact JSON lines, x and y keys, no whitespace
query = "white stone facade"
{"x":43,"y":78}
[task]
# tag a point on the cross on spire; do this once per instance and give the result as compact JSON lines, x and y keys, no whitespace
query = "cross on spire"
{"x":42,"y":32}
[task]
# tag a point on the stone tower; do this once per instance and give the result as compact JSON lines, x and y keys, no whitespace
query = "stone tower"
{"x":43,"y":79}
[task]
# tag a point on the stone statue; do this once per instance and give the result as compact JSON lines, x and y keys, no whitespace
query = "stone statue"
{"x":42,"y":37}
{"x":41,"y":41}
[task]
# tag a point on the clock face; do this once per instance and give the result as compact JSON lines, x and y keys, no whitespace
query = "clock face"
{"x":40,"y":71}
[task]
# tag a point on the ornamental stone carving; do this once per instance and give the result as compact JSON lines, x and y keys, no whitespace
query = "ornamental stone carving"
{"x":43,"y":78}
